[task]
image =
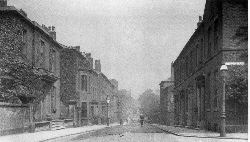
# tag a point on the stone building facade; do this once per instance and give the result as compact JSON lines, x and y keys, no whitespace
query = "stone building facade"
{"x":84,"y":89}
{"x":167,"y":99}
{"x":39,"y":48}
{"x":167,"y":102}
{"x":198,"y":82}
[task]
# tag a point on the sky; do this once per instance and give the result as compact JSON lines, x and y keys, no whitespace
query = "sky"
{"x":136,"y":40}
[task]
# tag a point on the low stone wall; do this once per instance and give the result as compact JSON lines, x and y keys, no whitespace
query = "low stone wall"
{"x":14,"y":118}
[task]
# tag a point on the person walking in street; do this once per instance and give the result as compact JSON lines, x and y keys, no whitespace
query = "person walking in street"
{"x":141,"y":120}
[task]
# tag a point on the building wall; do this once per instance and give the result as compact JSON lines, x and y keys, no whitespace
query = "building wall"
{"x":31,"y":35}
{"x":14,"y":118}
{"x":167,"y":104}
{"x":198,"y":82}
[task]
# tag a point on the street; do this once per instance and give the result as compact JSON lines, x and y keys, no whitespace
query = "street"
{"x":133,"y":132}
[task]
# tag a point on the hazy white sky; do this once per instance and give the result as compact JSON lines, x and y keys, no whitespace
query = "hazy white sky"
{"x":136,"y":40}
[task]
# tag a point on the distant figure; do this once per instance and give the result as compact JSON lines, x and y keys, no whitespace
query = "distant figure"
{"x":141,"y":120}
{"x":121,"y":122}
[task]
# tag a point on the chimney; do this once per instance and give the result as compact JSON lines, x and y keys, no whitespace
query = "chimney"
{"x":98,"y":65}
{"x":52,"y":32}
{"x":200,"y":21}
{"x":3,"y":3}
{"x":91,"y":62}
{"x":88,"y":55}
{"x":77,"y":48}
{"x":172,"y":71}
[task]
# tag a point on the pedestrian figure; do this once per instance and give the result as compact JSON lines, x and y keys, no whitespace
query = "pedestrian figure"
{"x":141,"y":120}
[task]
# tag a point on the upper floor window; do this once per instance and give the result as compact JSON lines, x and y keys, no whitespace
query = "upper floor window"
{"x":52,"y":60}
{"x":197,"y":55}
{"x":84,"y":82}
{"x":201,"y":50}
{"x":209,"y":43}
{"x":216,"y":35}
{"x":216,"y":98}
{"x":40,"y":53}
{"x":24,"y":35}
{"x":186,"y":66}
{"x":24,"y":40}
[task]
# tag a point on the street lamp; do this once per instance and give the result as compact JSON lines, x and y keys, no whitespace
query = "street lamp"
{"x":223,"y":70}
{"x":108,"y":100}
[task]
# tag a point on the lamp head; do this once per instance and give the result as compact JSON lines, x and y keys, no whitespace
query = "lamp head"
{"x":223,"y":68}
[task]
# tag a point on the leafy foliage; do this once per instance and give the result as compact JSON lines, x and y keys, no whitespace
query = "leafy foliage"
{"x":237,"y":84}
{"x":127,"y":104}
{"x":150,"y":105}
{"x":20,"y":80}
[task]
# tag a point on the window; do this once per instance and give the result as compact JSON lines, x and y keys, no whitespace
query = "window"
{"x":84,"y":82}
{"x":84,"y":109}
{"x":24,"y":40}
{"x":209,"y":43}
{"x":103,"y":109}
{"x":52,"y":62}
{"x":24,"y":35}
{"x":208,"y":91}
{"x":53,"y":99}
{"x":216,"y":35}
{"x":201,"y":51}
{"x":92,"y":110}
{"x":41,"y":54}
{"x":215,"y":100}
{"x":88,"y":83}
{"x":197,"y":55}
{"x":186,"y":66}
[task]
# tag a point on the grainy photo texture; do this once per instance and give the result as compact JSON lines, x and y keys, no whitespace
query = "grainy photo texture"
{"x":123,"y":70}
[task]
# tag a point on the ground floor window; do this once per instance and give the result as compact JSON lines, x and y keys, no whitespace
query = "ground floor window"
{"x":84,"y":109}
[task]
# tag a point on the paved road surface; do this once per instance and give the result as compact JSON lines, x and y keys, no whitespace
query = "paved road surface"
{"x":134,"y":133}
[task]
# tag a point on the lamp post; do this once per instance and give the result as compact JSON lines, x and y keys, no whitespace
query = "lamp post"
{"x":223,"y":70}
{"x":108,"y":100}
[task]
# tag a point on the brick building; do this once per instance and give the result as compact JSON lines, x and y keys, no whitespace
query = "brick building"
{"x":84,"y":89}
{"x":41,"y":50}
{"x":198,"y":85}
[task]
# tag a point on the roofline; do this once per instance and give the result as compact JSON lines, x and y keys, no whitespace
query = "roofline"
{"x":104,"y":76}
{"x":191,"y":38}
{"x":32,"y":23}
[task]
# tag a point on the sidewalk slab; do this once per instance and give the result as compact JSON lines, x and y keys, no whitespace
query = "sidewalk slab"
{"x":186,"y":132}
{"x":46,"y":135}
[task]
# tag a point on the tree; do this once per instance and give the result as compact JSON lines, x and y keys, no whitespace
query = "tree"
{"x":127,"y":104}
{"x":237,"y":84}
{"x":237,"y":81}
{"x":150,"y":105}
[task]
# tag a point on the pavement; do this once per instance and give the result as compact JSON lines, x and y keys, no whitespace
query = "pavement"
{"x":48,"y":135}
{"x":187,"y":132}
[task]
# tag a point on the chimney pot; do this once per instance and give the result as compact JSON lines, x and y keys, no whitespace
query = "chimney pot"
{"x":200,"y":18}
{"x":98,"y":65}
{"x":53,"y":28}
